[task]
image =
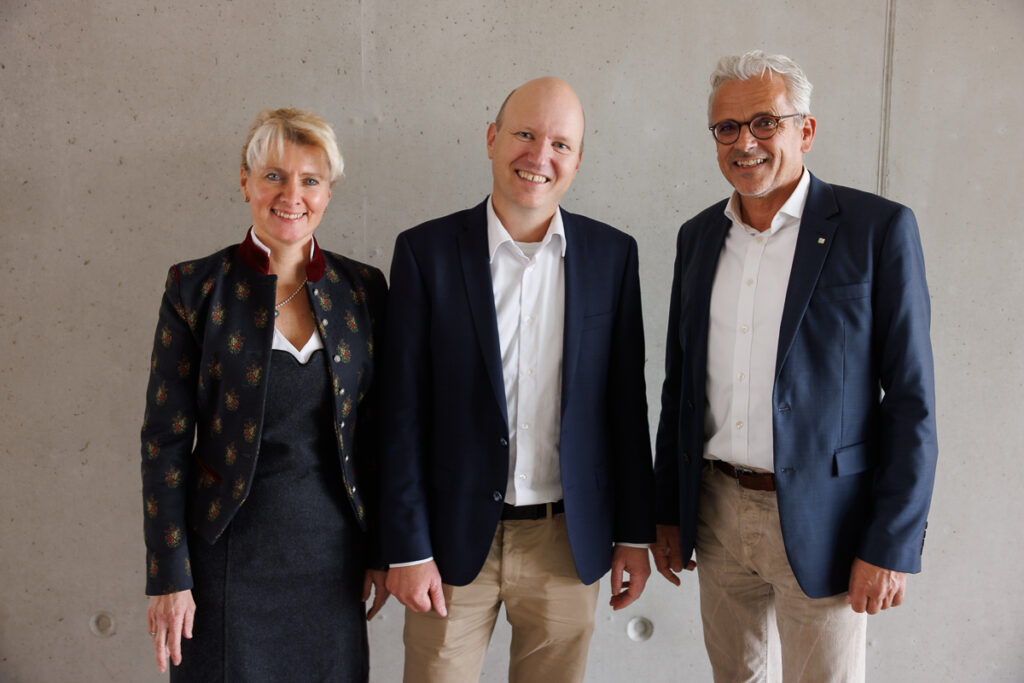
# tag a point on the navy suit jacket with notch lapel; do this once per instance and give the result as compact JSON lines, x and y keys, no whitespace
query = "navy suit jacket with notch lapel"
{"x":853,"y":403}
{"x":445,"y":454}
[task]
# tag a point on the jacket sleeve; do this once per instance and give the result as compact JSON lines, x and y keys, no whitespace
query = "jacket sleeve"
{"x":908,"y":447}
{"x":167,"y":435}
{"x":633,"y":475}
{"x":666,"y":461}
{"x":404,"y":516}
{"x":367,"y":444}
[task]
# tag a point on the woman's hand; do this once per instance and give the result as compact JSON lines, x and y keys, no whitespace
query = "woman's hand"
{"x":170,"y":617}
{"x":375,"y":579}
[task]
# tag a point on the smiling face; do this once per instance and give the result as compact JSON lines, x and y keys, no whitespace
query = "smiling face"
{"x":288,"y":195}
{"x":536,"y":151}
{"x":762,"y":171}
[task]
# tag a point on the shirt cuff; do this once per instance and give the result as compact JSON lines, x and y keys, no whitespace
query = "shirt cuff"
{"x":410,"y":564}
{"x":625,"y":545}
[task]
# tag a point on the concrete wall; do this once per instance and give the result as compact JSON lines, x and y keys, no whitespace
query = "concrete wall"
{"x":120,"y":129}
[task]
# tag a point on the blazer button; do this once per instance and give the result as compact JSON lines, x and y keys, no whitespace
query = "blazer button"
{"x":316,"y":292}
{"x":503,"y":441}
{"x":337,"y":358}
{"x":497,"y":495}
{"x":686,"y":458}
{"x":324,"y":321}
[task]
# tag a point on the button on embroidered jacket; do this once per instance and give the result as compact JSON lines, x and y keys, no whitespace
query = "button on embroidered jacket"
{"x":207,"y":389}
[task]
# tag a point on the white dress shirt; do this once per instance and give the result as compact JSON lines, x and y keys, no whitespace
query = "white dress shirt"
{"x":528,"y":280}
{"x":747,"y":299}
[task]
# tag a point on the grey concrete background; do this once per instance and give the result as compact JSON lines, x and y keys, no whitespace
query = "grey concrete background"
{"x":120,"y":130}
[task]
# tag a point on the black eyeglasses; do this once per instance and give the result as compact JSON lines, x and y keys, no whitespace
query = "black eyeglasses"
{"x":761,"y":127}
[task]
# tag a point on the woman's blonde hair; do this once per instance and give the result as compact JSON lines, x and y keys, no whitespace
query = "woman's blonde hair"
{"x":273,"y":127}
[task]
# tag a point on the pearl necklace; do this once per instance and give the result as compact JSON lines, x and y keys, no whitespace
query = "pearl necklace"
{"x":277,"y":307}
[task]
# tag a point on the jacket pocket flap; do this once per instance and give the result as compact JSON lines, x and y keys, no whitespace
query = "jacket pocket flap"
{"x":852,"y":459}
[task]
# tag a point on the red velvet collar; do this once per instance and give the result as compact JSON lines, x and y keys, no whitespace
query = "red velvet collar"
{"x":257,"y":259}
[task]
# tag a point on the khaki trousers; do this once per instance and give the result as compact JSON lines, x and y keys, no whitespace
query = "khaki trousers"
{"x":530,"y":569}
{"x":745,"y":580}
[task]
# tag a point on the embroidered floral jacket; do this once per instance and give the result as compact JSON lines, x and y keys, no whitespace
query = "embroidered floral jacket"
{"x":207,"y":389}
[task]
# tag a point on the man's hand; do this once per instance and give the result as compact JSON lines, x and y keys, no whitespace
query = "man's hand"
{"x":668,"y":556}
{"x":418,"y":587}
{"x":374,"y":580}
{"x":874,"y":588}
{"x":634,"y":562}
{"x":169,"y":618}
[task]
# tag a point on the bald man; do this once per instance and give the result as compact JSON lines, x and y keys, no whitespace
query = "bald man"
{"x":516,"y":464}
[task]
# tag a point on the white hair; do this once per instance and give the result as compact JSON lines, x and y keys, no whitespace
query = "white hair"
{"x":757,"y":64}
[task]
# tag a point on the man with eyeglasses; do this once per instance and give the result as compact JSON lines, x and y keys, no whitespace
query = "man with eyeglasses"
{"x":796,"y":449}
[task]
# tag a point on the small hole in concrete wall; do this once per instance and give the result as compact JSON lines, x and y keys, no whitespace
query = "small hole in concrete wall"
{"x":639,"y":629}
{"x":103,"y":625}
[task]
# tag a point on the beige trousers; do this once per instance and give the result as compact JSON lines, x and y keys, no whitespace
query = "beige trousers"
{"x":746,"y":580}
{"x":530,"y":569}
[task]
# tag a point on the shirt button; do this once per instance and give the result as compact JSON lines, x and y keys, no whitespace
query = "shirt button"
{"x":744,"y":329}
{"x":739,"y":425}
{"x":750,"y":282}
{"x":759,"y":239}
{"x":524,"y":425}
{"x":740,"y":376}
{"x":522,"y":477}
{"x":529,"y":371}
{"x":529,"y":318}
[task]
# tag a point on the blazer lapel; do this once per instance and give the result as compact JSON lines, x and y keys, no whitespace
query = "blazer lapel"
{"x":812,"y":246}
{"x":710,"y":251}
{"x":476,"y":270}
{"x":575,"y":301}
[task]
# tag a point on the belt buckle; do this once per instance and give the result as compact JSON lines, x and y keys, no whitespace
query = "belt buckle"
{"x":743,"y":471}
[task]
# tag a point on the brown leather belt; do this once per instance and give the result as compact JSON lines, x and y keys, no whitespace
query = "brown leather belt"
{"x":538,"y":511}
{"x":748,"y":479}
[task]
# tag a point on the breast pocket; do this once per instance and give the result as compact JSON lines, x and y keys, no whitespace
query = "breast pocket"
{"x":859,"y":290}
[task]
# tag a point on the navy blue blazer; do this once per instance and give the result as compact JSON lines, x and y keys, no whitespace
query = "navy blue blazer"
{"x":207,"y":389}
{"x":445,"y":453}
{"x":854,"y":398}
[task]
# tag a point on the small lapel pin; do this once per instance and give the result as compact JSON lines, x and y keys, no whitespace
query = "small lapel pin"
{"x":821,"y":240}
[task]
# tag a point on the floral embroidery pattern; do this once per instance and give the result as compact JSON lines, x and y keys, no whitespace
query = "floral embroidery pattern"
{"x":253,"y":374}
{"x":235,"y":342}
{"x":344,"y":351}
{"x":249,"y":431}
{"x":173,"y":477}
{"x":217,"y":314}
{"x":172,"y":536}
